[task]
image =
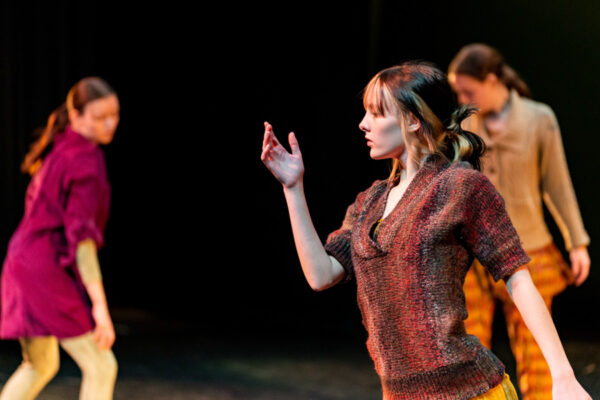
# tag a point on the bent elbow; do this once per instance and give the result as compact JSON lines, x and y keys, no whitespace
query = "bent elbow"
{"x":324,"y":284}
{"x":325,"y":276}
{"x":318,"y":286}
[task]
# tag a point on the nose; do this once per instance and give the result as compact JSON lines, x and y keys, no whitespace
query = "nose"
{"x":363,"y":126}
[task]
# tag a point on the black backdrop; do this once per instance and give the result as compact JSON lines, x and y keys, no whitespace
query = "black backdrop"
{"x":199,"y":231}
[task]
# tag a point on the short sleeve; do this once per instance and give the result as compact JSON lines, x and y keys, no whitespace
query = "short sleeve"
{"x":487,"y":230}
{"x":338,"y":244}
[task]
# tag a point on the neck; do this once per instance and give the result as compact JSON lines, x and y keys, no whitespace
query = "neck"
{"x":411,"y":169}
{"x":412,"y":164}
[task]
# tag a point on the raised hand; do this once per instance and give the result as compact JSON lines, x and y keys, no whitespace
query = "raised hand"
{"x":287,"y":167}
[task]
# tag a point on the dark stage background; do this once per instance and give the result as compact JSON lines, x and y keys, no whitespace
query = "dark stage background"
{"x":199,"y":232}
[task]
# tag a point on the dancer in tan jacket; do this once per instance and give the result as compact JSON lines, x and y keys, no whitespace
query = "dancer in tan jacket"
{"x":526,"y":162}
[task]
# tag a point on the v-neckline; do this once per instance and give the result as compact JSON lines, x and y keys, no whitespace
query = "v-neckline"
{"x":389,"y":192}
{"x":428,"y":164}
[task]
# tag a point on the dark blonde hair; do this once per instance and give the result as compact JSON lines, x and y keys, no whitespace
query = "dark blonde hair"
{"x":421,"y":89}
{"x":478,"y":60}
{"x":86,"y":90}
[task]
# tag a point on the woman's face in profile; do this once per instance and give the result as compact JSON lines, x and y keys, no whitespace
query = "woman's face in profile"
{"x":384,"y":135}
{"x":99,"y":120}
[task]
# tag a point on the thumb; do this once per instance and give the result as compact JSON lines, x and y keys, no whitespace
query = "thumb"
{"x":294,"y":143}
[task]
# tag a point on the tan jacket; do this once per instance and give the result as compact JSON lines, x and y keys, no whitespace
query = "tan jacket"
{"x":526,"y":162}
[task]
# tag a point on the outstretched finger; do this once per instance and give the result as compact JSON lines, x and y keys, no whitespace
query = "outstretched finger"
{"x":268,"y":131}
{"x":294,"y":144}
{"x":271,"y":135}
{"x":265,"y":153}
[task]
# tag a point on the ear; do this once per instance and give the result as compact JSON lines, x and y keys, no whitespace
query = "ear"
{"x":73,"y":115}
{"x":413,"y":123}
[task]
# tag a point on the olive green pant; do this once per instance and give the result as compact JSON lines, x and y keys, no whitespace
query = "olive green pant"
{"x":41,"y":362}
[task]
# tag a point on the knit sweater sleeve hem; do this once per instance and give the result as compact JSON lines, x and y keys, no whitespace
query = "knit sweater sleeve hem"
{"x":339,"y":248}
{"x":508,"y":262}
{"x":488,"y":230}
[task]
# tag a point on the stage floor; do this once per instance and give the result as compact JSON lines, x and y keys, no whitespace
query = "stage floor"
{"x":165,"y":365}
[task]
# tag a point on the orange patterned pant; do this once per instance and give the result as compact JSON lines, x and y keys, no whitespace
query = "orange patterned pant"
{"x":551,"y":275}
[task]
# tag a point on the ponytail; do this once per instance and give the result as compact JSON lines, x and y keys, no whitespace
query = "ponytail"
{"x":512,"y":81}
{"x":57,"y":122}
{"x":465,"y":145}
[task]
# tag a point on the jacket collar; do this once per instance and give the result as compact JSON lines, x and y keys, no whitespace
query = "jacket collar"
{"x":509,"y":137}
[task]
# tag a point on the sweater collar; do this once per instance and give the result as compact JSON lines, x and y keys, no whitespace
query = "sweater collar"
{"x":432,"y":165}
{"x":430,"y":162}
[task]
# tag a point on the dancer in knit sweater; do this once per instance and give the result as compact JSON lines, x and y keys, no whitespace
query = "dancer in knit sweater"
{"x":526,"y":163}
{"x":52,"y":291}
{"x":409,"y":241}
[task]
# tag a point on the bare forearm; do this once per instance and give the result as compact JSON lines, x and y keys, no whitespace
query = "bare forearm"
{"x":89,"y":270}
{"x":87,"y":261}
{"x":96,"y":293}
{"x":539,"y":321}
{"x":319,"y":269}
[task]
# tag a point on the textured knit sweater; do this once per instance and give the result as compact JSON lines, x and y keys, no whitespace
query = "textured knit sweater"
{"x":409,"y":281}
{"x":526,"y":162}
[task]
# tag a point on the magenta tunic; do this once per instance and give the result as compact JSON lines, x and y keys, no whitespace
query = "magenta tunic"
{"x":67,"y":201}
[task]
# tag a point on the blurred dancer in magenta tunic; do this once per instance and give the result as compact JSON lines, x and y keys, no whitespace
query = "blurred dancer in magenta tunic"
{"x":52,"y":291}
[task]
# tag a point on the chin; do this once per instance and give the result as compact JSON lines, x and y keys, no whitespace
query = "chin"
{"x":374,"y":155}
{"x":383,"y":156}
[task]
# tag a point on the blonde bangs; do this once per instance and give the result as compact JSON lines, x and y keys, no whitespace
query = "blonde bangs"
{"x":378,"y":98}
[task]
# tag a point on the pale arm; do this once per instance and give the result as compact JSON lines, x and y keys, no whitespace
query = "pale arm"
{"x":321,"y":270}
{"x":539,"y":321}
{"x":89,"y":270}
